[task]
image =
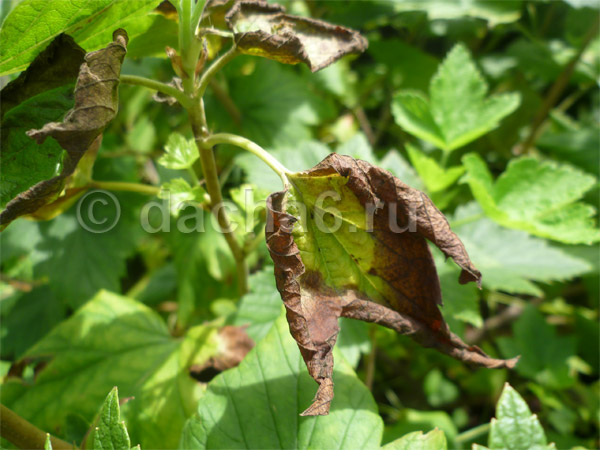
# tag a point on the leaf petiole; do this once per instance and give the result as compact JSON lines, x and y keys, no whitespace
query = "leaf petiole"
{"x":214,"y":68}
{"x":157,"y":86}
{"x":255,"y":149}
{"x":125,"y":186}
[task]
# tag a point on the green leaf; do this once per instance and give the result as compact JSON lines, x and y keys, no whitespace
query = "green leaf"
{"x":544,"y":354}
{"x":461,"y":301}
{"x":32,"y":24}
{"x":412,"y":420}
{"x":504,"y":11}
{"x":509,"y":259}
{"x":48,"y":443}
{"x":458,"y":112}
{"x":579,"y":147}
{"x":434,"y":440}
{"x":111,"y":432}
{"x":515,"y":428}
{"x":68,"y":247}
{"x":433,"y":175}
{"x":180,"y":153}
{"x":261,"y":306}
{"x":539,"y":197}
{"x":277,"y":105}
{"x":178,"y":192}
{"x":438,"y":389}
{"x":408,"y":66}
{"x":257,"y":404}
{"x":115,"y":341}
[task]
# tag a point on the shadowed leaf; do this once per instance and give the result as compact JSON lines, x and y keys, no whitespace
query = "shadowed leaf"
{"x":41,"y":94}
{"x":263,"y":29}
{"x":330,"y":261}
{"x":96,"y":103}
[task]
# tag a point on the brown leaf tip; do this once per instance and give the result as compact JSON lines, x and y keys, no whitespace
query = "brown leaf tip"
{"x":120,"y":36}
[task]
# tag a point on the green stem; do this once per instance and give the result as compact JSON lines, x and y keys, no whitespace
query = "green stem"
{"x":472,"y":434}
{"x":214,"y":68}
{"x":23,"y":434}
{"x":255,"y":149}
{"x":157,"y":86}
{"x":124,"y":186}
{"x":211,"y":178}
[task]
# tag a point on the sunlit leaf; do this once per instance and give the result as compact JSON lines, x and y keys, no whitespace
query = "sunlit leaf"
{"x":539,"y":197}
{"x":458,"y":110}
{"x":257,"y":404}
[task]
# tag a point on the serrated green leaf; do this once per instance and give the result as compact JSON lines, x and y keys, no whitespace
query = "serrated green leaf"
{"x":178,"y":193}
{"x":115,"y":341}
{"x":68,"y":247}
{"x":180,"y":153}
{"x":276,"y":104}
{"x":544,"y":353}
{"x":111,"y":432}
{"x":508,"y":259}
{"x":458,"y":111}
{"x":434,"y":440}
{"x":539,"y":197}
{"x":515,"y":428}
{"x":412,"y":420}
{"x":90,"y":22}
{"x":435,"y":177}
{"x":257,"y":404}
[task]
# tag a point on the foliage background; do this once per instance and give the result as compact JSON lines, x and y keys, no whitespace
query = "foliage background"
{"x":540,"y":295}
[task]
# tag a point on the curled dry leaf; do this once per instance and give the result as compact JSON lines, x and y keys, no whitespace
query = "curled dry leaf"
{"x":348,"y":239}
{"x":263,"y":29}
{"x":96,"y":104}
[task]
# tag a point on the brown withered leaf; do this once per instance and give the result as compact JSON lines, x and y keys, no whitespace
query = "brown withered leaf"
{"x":264,"y":29}
{"x":96,"y":104}
{"x":348,"y":239}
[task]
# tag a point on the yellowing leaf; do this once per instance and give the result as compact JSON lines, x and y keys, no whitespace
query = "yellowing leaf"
{"x":333,"y":259}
